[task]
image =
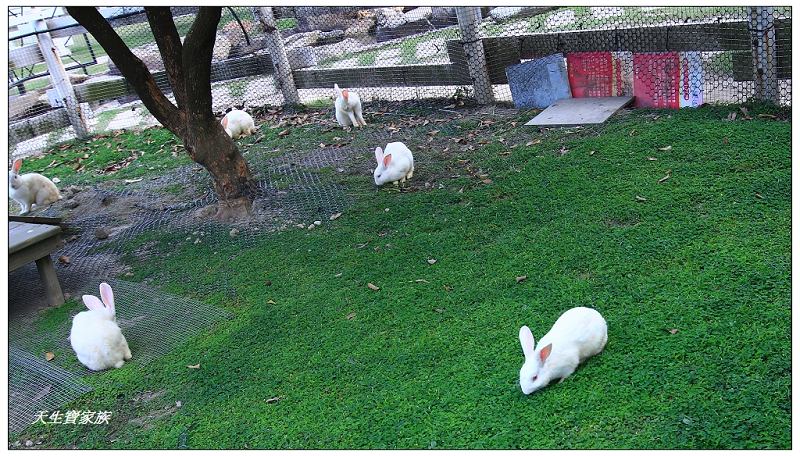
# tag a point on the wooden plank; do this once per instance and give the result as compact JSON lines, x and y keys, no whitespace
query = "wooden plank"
{"x":24,"y":56}
{"x":117,"y":86}
{"x":47,"y":272}
{"x":579,"y":111}
{"x":42,"y":124}
{"x":33,"y":252}
{"x":401,"y":76}
{"x":500,"y":53}
{"x":21,"y":235}
{"x":35,"y":219}
{"x":60,"y":80}
{"x":743,"y":66}
{"x":732,"y":35}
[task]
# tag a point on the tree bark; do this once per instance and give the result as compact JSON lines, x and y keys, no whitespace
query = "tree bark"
{"x":188,"y":68}
{"x":134,"y":70}
{"x":207,"y":142}
{"x":170,"y":47}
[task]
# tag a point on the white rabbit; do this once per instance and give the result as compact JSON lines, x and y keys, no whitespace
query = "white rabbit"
{"x":96,"y":338}
{"x":578,"y":334}
{"x":29,"y":189}
{"x":238,"y":123}
{"x":348,"y":108}
{"x":396,"y":164}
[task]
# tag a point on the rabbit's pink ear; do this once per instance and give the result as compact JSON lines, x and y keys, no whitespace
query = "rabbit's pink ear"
{"x":545,"y":352}
{"x":345,"y":94}
{"x":378,"y":154}
{"x":92,"y":302}
{"x":526,"y":340}
{"x":387,"y":159}
{"x":17,"y":165}
{"x":225,"y":121}
{"x":108,"y":296}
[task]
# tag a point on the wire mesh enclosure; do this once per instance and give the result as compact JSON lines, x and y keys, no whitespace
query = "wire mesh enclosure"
{"x":666,"y":56}
{"x":66,"y":95}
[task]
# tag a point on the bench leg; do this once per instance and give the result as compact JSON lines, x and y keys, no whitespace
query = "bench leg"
{"x":55,"y":297}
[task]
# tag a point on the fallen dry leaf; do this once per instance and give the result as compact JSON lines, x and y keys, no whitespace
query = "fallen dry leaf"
{"x":534,"y":142}
{"x":640,"y":198}
{"x":49,"y":356}
{"x":373,"y":287}
{"x":133,"y":181}
{"x":758,"y":195}
{"x":421,"y":281}
{"x":652,"y":158}
{"x":487,"y":181}
{"x":438,"y":310}
{"x":335,"y":216}
{"x":447,"y":288}
{"x":63,"y":259}
{"x":196,"y":366}
{"x":350,"y":316}
{"x":284,"y":133}
{"x":633,"y":132}
{"x":665,"y":148}
{"x":725,"y":140}
{"x":664,"y":179}
{"x":432,"y":261}
{"x":745,"y":112}
{"x":433,"y":132}
{"x":592,"y":152}
{"x":521,"y":279}
{"x":767,"y":116}
{"x":673,"y":331}
{"x":732,"y":116}
{"x":270,"y":302}
{"x":273,"y":400}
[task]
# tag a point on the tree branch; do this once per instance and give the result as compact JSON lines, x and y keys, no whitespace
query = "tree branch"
{"x":198,"y":49}
{"x":170,"y":47}
{"x":132,"y":68}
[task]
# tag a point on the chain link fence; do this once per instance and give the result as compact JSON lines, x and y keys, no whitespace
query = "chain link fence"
{"x":401,"y":61}
{"x":665,"y":56}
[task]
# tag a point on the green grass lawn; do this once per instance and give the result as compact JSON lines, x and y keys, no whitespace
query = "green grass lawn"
{"x":694,"y":282}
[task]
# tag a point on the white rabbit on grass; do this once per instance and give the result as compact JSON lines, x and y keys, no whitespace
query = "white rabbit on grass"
{"x":238,"y":123}
{"x":578,"y":334}
{"x":395,"y":165}
{"x":96,"y":338}
{"x":348,"y":108}
{"x":30,"y":189}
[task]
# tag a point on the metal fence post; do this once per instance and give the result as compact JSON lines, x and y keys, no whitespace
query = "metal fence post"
{"x":60,"y":79}
{"x":274,"y":43}
{"x":469,"y":18}
{"x":765,"y":55}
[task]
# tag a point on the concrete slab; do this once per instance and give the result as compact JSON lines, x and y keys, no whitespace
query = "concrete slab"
{"x":580,"y":111}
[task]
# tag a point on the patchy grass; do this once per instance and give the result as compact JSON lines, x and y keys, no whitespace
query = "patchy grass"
{"x":286,"y":23}
{"x":83,"y":162}
{"x":694,"y":282}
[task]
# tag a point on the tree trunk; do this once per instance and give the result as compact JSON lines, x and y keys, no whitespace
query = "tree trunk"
{"x":188,"y":67}
{"x":209,"y":145}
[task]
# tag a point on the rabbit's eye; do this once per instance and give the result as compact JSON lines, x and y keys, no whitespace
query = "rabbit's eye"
{"x":535,"y":377}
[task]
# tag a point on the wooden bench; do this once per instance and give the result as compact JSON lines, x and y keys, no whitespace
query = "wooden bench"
{"x":34,"y":242}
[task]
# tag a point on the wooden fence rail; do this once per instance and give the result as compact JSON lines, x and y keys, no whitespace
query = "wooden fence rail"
{"x":501,"y":52}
